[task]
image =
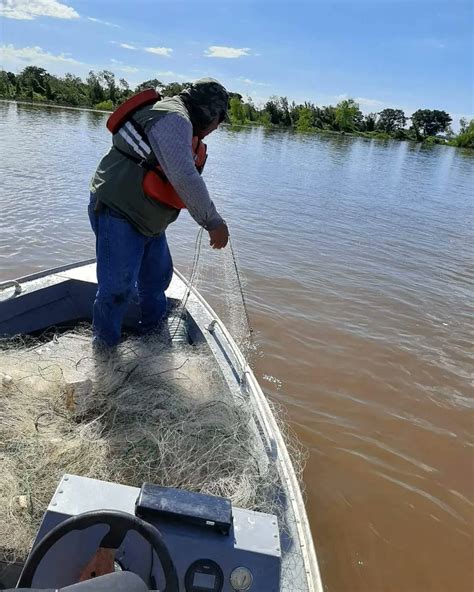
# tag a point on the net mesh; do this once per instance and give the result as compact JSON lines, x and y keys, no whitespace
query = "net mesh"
{"x":148,"y":411}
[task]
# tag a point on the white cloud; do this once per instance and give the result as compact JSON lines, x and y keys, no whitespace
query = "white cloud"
{"x":163,"y":51}
{"x":251,"y":82}
{"x":101,"y":22}
{"x":19,"y":57}
{"x":374,"y":103}
{"x":173,"y":75}
{"x":431,"y":42}
{"x":363,"y":102}
{"x":120,"y":66}
{"x":31,"y":9}
{"x":220,"y":51}
{"x":129,"y":69}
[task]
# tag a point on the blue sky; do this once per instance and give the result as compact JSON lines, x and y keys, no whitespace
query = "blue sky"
{"x":409,"y":54}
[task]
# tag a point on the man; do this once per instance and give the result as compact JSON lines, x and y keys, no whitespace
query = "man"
{"x":129,"y":225}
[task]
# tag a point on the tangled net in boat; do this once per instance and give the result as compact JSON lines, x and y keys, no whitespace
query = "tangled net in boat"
{"x":147,"y":413}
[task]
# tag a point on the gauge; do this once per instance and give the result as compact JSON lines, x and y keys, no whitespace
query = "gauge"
{"x":204,"y":575}
{"x":241,"y":578}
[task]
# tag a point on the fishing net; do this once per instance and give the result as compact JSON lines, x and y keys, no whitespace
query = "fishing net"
{"x":218,"y":276}
{"x":150,"y":411}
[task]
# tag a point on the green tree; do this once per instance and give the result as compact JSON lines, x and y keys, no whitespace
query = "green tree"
{"x":278,"y":110}
{"x":250,"y":112}
{"x":265,"y":118}
{"x":285,"y":117}
{"x":51,"y":88}
{"x":328,"y":117}
{"x":465,"y":138}
{"x":391,"y":120}
{"x":106,"y":105}
{"x":153,"y":83}
{"x":124,"y":90}
{"x":237,"y":114}
{"x":272,"y":107}
{"x":107,"y":80}
{"x":174,"y":88}
{"x":34,"y":78}
{"x":69,"y":90}
{"x":348,"y":115}
{"x":294,"y":112}
{"x":95,"y":91}
{"x":427,"y":122}
{"x":464,"y":125}
{"x":305,"y":120}
{"x":403,"y":134}
{"x":370,"y":122}
{"x":7,"y":84}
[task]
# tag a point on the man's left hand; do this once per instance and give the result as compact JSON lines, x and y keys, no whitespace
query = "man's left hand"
{"x":219,"y":237}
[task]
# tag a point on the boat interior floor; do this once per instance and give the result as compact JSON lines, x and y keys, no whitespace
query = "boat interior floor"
{"x":154,"y":410}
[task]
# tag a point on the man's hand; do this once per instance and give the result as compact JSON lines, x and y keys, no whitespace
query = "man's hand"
{"x":219,"y":237}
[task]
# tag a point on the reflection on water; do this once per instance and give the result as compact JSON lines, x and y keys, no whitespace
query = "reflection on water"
{"x":358,"y":257}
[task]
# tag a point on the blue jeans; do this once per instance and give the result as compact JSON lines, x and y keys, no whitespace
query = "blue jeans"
{"x":128,"y":262}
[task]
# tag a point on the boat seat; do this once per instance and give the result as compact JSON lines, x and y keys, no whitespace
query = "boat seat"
{"x":122,"y":581}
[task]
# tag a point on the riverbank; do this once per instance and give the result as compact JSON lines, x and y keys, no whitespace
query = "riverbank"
{"x":429,"y":141}
{"x":102,"y":91}
{"x":54,"y":105}
{"x":372,"y":135}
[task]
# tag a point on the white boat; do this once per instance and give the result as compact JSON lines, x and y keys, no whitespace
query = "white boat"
{"x":201,"y":543}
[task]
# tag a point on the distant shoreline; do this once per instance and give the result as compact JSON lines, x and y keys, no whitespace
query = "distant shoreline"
{"x":102,"y":92}
{"x":54,"y":105}
{"x":315,"y":131}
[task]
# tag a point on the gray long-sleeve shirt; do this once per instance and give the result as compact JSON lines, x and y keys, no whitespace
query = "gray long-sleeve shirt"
{"x":167,"y":137}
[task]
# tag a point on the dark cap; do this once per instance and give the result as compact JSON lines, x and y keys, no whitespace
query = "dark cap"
{"x":207,"y":99}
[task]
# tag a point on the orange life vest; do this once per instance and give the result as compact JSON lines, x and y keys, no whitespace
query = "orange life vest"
{"x":155,"y":183}
{"x":157,"y":186}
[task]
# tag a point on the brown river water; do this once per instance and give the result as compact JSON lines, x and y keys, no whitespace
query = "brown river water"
{"x":358,"y":259}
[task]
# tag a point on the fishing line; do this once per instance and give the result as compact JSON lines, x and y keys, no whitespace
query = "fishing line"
{"x":241,"y":288}
{"x":192,"y":279}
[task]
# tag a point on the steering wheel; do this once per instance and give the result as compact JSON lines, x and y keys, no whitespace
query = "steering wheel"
{"x":120,"y":523}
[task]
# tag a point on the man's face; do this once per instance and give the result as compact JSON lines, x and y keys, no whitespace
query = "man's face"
{"x":210,"y":128}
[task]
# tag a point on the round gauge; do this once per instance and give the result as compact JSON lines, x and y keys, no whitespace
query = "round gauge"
{"x":241,"y":578}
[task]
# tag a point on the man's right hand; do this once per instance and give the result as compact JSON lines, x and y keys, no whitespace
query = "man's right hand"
{"x":219,"y":237}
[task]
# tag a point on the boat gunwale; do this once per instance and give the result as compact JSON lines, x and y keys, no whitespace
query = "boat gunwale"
{"x":37,"y":275}
{"x":270,"y":425}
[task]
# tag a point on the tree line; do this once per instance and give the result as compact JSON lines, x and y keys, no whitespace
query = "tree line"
{"x":102,"y":90}
{"x":424,"y":125}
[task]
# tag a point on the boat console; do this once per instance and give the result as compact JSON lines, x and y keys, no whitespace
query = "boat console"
{"x":173,"y":539}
